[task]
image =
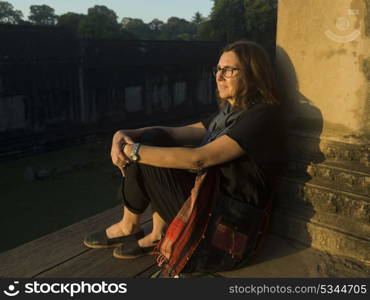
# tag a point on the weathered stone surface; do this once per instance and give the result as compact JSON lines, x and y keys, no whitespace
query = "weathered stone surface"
{"x":12,"y":113}
{"x":322,"y":238}
{"x":315,"y":149}
{"x":324,"y":202}
{"x":281,"y":257}
{"x":351,"y":180}
{"x":348,"y":176}
{"x":321,"y":198}
{"x":179,"y":93}
{"x":338,"y":151}
{"x":133,"y":98}
{"x":336,"y":265}
{"x":335,"y":222}
{"x":322,"y":45}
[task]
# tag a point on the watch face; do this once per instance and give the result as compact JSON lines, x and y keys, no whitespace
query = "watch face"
{"x":134,"y":152}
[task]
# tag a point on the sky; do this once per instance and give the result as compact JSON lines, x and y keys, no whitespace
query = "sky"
{"x":146,"y":10}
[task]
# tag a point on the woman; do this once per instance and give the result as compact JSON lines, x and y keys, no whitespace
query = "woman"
{"x":238,"y":143}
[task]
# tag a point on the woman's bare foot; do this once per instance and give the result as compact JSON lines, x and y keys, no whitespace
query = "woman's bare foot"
{"x":149,"y":240}
{"x":120,"y":229}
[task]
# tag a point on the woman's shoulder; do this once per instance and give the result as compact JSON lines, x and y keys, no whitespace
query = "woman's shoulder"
{"x":260,"y":110}
{"x":263,"y":107}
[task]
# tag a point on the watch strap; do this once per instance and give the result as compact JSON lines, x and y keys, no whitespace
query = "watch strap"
{"x":134,"y":156}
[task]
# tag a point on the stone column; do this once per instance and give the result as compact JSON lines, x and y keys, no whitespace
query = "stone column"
{"x":323,"y":66}
{"x":328,"y":44}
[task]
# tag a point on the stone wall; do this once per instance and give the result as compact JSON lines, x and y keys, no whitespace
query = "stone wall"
{"x":322,"y":59}
{"x":328,"y":45}
{"x":52,"y":82}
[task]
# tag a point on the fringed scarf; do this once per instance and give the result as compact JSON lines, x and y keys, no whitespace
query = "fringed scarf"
{"x":187,"y":228}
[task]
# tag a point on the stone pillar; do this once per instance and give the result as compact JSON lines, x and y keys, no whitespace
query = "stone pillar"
{"x":328,"y":44}
{"x":81,"y":87}
{"x":323,"y":66}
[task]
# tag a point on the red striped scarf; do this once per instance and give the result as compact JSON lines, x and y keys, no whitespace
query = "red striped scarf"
{"x":187,"y":228}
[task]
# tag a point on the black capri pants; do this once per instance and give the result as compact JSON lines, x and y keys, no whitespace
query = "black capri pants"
{"x":164,"y":188}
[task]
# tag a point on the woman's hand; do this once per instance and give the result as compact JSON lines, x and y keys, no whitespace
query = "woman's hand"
{"x":119,"y":159}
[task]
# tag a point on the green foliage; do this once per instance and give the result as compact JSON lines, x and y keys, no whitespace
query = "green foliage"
{"x":177,"y":29}
{"x":126,"y":35}
{"x":155,"y":27}
{"x":174,"y":29}
{"x":42,"y":15}
{"x":138,"y":28}
{"x":100,"y":23}
{"x":8,"y":15}
{"x":205,"y":31}
{"x":71,"y":20}
{"x":197,"y":19}
{"x":260,"y":17}
{"x":227,"y":20}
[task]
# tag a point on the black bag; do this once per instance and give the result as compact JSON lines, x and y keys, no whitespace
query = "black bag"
{"x":233,"y":236}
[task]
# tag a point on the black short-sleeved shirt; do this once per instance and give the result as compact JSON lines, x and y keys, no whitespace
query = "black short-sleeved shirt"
{"x":259,"y":132}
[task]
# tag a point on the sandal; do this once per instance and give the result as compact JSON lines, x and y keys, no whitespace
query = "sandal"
{"x":99,"y":239}
{"x":131,"y":249}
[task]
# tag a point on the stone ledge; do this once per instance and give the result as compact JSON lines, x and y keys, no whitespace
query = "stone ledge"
{"x":316,"y":197}
{"x":313,"y":149}
{"x":283,"y":258}
{"x":342,"y":225}
{"x":353,"y":180}
{"x":351,"y":176}
{"x":321,"y":237}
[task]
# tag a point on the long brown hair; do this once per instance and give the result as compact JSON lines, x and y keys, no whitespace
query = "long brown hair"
{"x":257,"y":83}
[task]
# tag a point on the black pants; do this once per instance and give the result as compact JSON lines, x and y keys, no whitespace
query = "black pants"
{"x":165,"y":189}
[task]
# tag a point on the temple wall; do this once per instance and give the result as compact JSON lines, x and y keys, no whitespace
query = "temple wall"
{"x":323,"y":64}
{"x":328,"y":45}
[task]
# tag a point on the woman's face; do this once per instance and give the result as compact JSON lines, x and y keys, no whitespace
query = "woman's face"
{"x":228,"y":86}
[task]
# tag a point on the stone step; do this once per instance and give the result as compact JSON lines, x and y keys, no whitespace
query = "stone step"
{"x":340,"y":151}
{"x":281,"y":257}
{"x":314,"y":196}
{"x":349,"y":176}
{"x":317,"y":150}
{"x":316,"y":233}
{"x":345,"y":225}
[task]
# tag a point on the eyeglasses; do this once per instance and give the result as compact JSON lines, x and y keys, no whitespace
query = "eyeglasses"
{"x":226,"y":72}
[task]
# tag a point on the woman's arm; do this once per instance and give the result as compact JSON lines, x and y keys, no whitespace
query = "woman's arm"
{"x":191,"y":134}
{"x":217,"y":152}
{"x":187,"y":135}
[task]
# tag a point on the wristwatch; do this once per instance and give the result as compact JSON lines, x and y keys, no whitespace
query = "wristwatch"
{"x":134,"y":156}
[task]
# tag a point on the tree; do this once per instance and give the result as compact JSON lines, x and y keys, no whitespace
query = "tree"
{"x":137,"y":27}
{"x":71,"y":20}
{"x":155,"y":25}
{"x":227,"y":20}
{"x":100,"y":23}
{"x":8,"y":15}
{"x":199,"y":22}
{"x":260,"y":17}
{"x":126,"y":35}
{"x":205,"y":31}
{"x":42,"y":15}
{"x":177,"y":29}
{"x":197,"y":19}
{"x":237,"y":19}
